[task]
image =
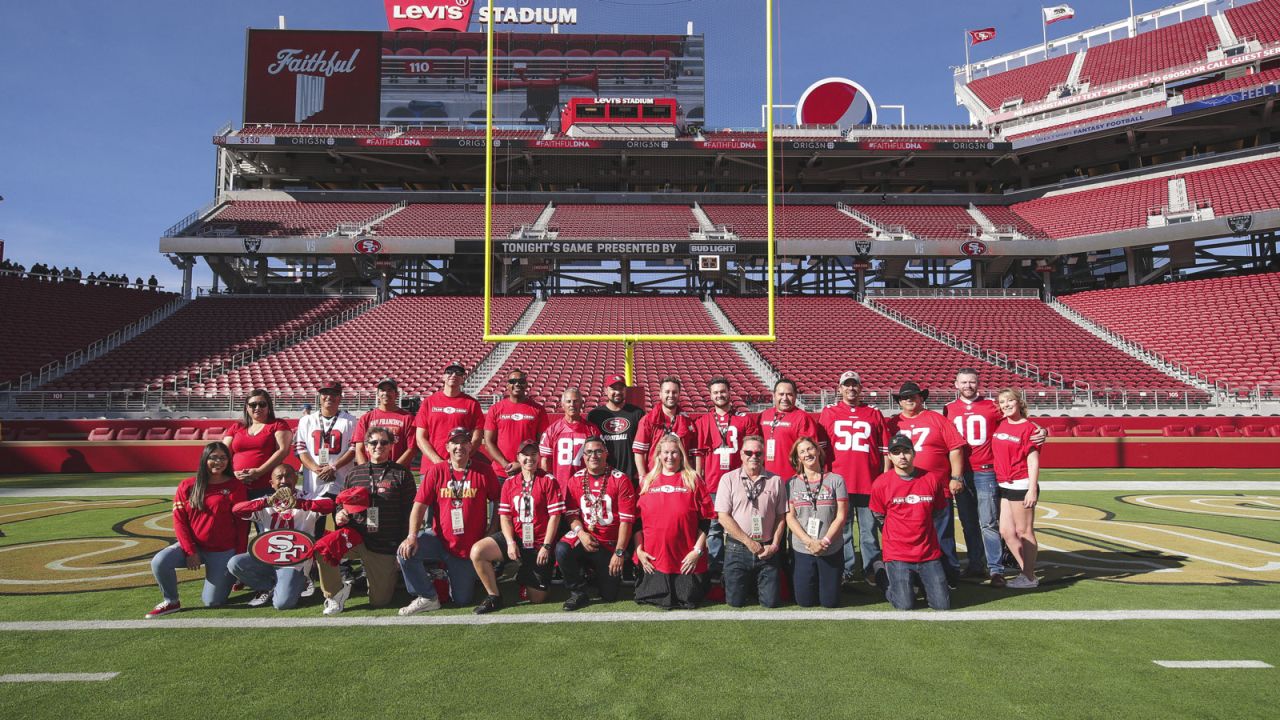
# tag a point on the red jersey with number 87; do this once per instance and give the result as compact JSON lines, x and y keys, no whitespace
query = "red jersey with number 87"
{"x":562,"y":442}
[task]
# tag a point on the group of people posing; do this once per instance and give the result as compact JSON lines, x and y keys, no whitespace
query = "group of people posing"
{"x":759,"y":502}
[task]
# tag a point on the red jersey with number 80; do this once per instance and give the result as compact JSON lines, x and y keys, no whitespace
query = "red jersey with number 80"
{"x":603,"y":503}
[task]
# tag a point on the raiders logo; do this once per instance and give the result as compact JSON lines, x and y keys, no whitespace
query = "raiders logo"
{"x":1240,"y":224}
{"x":251,"y":245}
{"x":862,"y":247}
{"x":283,"y":548}
{"x":616,"y":425}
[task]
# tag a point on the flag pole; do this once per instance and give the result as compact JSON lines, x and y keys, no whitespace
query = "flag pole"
{"x":1044,"y":32}
{"x":967,"y":76}
{"x":1133,"y":26}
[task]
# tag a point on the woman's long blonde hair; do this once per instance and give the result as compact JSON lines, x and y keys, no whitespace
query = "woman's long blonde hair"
{"x":687,"y":473}
{"x":1018,"y":396}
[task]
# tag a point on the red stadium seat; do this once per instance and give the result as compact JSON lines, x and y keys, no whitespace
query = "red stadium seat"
{"x":102,"y":434}
{"x":159,"y":434}
{"x":186,"y":433}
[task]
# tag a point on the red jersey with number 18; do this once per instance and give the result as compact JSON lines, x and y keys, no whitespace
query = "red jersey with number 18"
{"x":562,"y":442}
{"x":858,"y":438}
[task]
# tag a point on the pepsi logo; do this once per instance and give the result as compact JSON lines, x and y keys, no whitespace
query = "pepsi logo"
{"x":616,"y":425}
{"x":836,"y":101}
{"x":283,"y":548}
{"x":974,"y":247}
{"x":368,"y":246}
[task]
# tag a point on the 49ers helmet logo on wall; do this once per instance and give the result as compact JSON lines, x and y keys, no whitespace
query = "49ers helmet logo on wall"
{"x":974,"y":247}
{"x":283,"y":548}
{"x":368,"y":246}
{"x":836,"y":101}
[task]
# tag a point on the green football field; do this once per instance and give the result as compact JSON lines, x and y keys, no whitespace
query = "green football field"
{"x":1131,"y":575}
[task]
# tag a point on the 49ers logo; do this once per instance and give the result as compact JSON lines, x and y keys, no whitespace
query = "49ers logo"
{"x":283,"y":548}
{"x":368,"y":246}
{"x":616,"y":425}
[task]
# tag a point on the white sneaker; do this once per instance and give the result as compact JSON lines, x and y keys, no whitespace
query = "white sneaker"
{"x":309,"y":589}
{"x":1022,"y":582}
{"x":420,"y":604}
{"x":337,"y":603}
{"x":259,"y":600}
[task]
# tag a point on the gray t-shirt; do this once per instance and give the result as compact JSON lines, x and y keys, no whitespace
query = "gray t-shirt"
{"x":810,"y":501}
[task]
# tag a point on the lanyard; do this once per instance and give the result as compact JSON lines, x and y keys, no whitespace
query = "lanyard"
{"x":811,"y":492}
{"x":324,"y":431}
{"x":457,"y":485}
{"x":526,"y":500}
{"x":722,"y":429}
{"x":773,"y":424}
{"x":753,"y":487}
{"x":595,"y":496}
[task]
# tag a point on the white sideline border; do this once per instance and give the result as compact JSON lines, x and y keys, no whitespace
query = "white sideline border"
{"x":1049,"y":485}
{"x":57,"y":677}
{"x":1212,"y":664}
{"x":561,"y":618}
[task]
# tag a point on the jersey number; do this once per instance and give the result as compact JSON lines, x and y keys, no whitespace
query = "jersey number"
{"x":973,"y":428}
{"x":853,"y":435}
{"x":334,"y":441}
{"x":918,"y":436}
{"x":589,"y":512}
{"x":569,"y":451}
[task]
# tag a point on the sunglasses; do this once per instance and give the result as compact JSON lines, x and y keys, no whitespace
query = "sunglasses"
{"x":455,"y":372}
{"x":376,"y":443}
{"x":751,"y":453}
{"x":518,"y":382}
{"x":257,"y":405}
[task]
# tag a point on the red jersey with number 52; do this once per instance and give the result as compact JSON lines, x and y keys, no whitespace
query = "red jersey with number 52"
{"x":603,"y":503}
{"x":934,"y":438}
{"x":562,"y":442}
{"x":859,"y":438}
{"x":719,"y":440}
{"x":976,"y":422}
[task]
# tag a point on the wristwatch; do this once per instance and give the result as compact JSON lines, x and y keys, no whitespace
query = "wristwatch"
{"x":620,"y":552}
{"x":545,"y":546}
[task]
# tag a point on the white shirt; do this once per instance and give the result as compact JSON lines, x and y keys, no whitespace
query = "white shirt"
{"x":308,"y":442}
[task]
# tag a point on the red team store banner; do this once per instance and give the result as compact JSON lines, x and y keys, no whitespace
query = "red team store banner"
{"x":312,"y":78}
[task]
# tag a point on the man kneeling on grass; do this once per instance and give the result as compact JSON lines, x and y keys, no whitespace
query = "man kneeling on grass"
{"x":906,"y":500}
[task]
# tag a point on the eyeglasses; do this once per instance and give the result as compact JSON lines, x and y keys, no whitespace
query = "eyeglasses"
{"x":751,"y":453}
{"x":593,"y":452}
{"x":455,"y":372}
{"x":256,"y":405}
{"x":376,"y":443}
{"x":518,"y":381}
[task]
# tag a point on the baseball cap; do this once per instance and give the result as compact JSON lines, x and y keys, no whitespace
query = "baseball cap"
{"x":900,"y":443}
{"x":332,"y":386}
{"x":850,"y":375}
{"x":528,"y":444}
{"x":910,"y":388}
{"x":354,"y":499}
{"x":388,"y":384}
{"x":455,"y":365}
{"x":459,"y":432}
{"x":610,"y":380}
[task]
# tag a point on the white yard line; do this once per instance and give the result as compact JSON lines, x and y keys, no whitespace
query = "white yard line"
{"x":56,"y":677}
{"x":50,"y":492}
{"x":556,"y":618}
{"x":1211,"y":664}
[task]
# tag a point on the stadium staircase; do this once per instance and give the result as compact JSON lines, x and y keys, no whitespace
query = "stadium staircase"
{"x":879,"y":232}
{"x":484,"y":371}
{"x":1226,"y":35}
{"x":704,"y":222}
{"x":767,"y":373}
{"x":373,"y":223}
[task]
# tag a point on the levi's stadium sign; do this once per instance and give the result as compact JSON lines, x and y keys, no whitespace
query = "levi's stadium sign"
{"x":456,"y":15}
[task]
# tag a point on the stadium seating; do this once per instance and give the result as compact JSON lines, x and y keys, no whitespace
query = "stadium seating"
{"x":1032,"y":82}
{"x":1086,"y":121}
{"x":790,"y":221}
{"x":287,"y":218}
{"x":821,"y":337}
{"x":456,"y":220}
{"x":204,"y":333}
{"x":1031,"y":331}
{"x":44,"y":321}
{"x":554,"y":366}
{"x":1090,"y":211}
{"x":1259,"y":20}
{"x":1221,"y":87}
{"x":1002,"y":217}
{"x":623,"y":221}
{"x":409,"y":338}
{"x":1237,"y":188}
{"x":1164,"y":48}
{"x":940,"y":222}
{"x":1226,"y":328}
{"x":315,"y":130}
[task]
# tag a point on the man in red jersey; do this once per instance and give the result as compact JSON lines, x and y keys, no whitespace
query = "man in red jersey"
{"x":511,"y":422}
{"x":665,"y":419}
{"x":443,"y":411}
{"x":561,"y":444}
{"x":907,"y":501}
{"x":858,"y":436}
{"x":719,"y":437}
{"x":600,"y":508}
{"x":390,"y":415}
{"x":781,"y":426}
{"x":455,"y":503}
{"x":939,"y":453}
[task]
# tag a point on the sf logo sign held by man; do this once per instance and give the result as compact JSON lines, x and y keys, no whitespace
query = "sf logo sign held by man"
{"x":283,"y":548}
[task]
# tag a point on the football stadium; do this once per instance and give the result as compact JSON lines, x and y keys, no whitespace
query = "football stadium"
{"x":626,"y":358}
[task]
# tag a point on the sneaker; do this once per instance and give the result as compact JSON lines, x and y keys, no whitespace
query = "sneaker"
{"x":337,"y":603}
{"x":238,"y":586}
{"x":976,"y":572}
{"x":164,"y":608}
{"x":260,"y":599}
{"x":848,"y":578}
{"x":309,"y":589}
{"x":882,"y":579}
{"x":420,"y":604}
{"x":576,"y":601}
{"x":1022,"y":582}
{"x":997,"y":580}
{"x":488,"y":605}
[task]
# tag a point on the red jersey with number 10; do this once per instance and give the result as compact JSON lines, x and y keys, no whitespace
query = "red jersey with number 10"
{"x":858,"y":438}
{"x":976,"y":422}
{"x":719,"y":440}
{"x":543,"y":501}
{"x":603,"y":503}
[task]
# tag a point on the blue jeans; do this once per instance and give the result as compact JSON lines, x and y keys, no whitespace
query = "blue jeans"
{"x":284,"y":583}
{"x":868,"y":542}
{"x":931,"y":575}
{"x":742,"y":570}
{"x":816,"y":579}
{"x":945,"y":523}
{"x":217,"y":581}
{"x":979,"y":508}
{"x":462,"y":574}
{"x":715,"y":544}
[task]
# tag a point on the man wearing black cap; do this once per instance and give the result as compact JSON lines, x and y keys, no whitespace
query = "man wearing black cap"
{"x":443,"y":411}
{"x":323,"y":444}
{"x":618,"y":421}
{"x":388,"y":414}
{"x":939,"y":452}
{"x":908,"y":502}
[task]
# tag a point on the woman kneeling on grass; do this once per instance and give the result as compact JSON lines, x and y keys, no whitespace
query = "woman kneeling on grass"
{"x":675,"y":512}
{"x":209,"y":533}
{"x":1018,"y":473}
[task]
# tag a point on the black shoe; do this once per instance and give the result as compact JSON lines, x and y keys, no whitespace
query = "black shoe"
{"x":576,"y":601}
{"x":488,"y":605}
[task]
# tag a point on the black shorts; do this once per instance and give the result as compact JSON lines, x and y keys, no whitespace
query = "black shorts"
{"x":1012,"y":495}
{"x":530,"y":574}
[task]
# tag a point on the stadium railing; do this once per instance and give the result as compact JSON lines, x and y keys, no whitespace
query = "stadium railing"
{"x":873,"y":292}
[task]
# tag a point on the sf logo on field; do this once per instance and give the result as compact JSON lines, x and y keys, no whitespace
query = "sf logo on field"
{"x":283,"y":548}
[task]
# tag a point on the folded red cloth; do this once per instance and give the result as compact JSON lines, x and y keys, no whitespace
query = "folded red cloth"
{"x":333,"y":546}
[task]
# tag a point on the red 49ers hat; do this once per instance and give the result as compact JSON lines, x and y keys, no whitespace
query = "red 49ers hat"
{"x":528,"y":447}
{"x":354,"y":500}
{"x":611,"y":380}
{"x":332,"y":386}
{"x":459,"y":433}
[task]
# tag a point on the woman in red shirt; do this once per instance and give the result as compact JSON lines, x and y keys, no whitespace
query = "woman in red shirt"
{"x":674,"y":513}
{"x":209,"y":533}
{"x":258,"y":444}
{"x":1017,"y":461}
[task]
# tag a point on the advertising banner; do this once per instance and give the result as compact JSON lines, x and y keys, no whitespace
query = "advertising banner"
{"x":309,"y":77}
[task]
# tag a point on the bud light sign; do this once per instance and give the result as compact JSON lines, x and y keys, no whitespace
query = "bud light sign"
{"x":836,"y":101}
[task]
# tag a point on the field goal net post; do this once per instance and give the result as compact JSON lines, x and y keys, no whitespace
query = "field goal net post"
{"x":629,"y":341}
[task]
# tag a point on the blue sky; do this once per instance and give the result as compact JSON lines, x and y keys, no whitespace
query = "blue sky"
{"x":108,"y":108}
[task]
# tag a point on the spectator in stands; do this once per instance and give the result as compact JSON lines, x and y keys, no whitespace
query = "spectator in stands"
{"x":209,"y":533}
{"x":389,"y":415}
{"x":76,"y":274}
{"x":323,"y":444}
{"x":259,"y":443}
{"x":817,"y":507}
{"x":529,"y":515}
{"x":719,"y":434}
{"x":939,"y":452}
{"x":667,"y":418}
{"x":138,"y":283}
{"x":153,"y":284}
{"x":381,"y":527}
{"x":39,"y":269}
{"x":907,"y":501}
{"x":857,"y":435}
{"x":751,"y":503}
{"x":510,"y":423}
{"x":619,"y":421}
{"x":1018,"y":473}
{"x":783,"y":424}
{"x":600,"y":509}
{"x":456,"y":504}
{"x":92,"y":279}
{"x":675,"y":513}
{"x":282,"y":510}
{"x":443,"y":411}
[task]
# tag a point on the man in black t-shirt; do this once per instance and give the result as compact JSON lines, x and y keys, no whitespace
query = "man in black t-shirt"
{"x":618,"y":421}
